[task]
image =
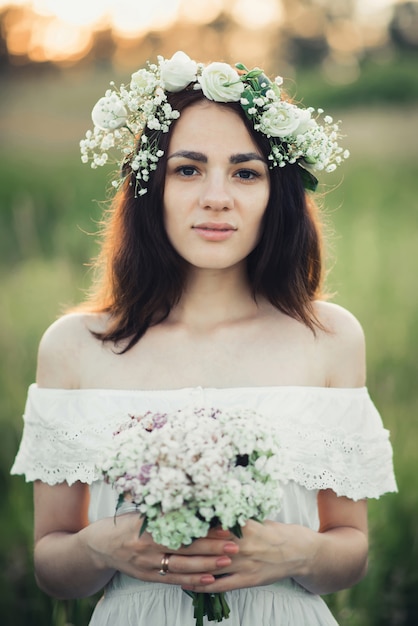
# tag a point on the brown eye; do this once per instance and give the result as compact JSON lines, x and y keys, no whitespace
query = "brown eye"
{"x":186,"y":170}
{"x":247,"y":174}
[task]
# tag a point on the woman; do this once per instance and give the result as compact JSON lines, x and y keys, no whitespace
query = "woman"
{"x":209,"y":294}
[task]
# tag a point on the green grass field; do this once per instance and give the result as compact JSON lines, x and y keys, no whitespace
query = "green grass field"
{"x":50,"y":205}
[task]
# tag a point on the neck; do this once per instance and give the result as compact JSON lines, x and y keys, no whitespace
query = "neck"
{"x":214,"y":297}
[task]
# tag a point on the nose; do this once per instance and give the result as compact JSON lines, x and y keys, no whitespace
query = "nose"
{"x":216,"y":193}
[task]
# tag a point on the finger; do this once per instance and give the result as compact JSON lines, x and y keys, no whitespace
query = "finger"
{"x":178,"y":564}
{"x":217,"y":585}
{"x":220,"y":584}
{"x":209,"y":547}
{"x":220,"y":533}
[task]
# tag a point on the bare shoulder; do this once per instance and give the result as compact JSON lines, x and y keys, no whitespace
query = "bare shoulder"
{"x":338,"y":320}
{"x":61,"y":347}
{"x":342,"y":346}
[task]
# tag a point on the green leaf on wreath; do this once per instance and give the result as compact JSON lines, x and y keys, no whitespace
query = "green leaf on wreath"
{"x":310,"y":182}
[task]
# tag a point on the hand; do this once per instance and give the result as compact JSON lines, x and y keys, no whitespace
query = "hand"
{"x":117,"y":545}
{"x":267,"y":552}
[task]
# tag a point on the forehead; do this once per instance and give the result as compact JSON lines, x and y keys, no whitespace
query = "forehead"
{"x":209,"y":126}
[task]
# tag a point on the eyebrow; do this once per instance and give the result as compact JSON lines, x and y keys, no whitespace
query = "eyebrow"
{"x":246,"y":156}
{"x":202,"y":158}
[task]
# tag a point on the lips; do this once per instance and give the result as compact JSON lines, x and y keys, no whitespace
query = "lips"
{"x":214,"y":231}
{"x":214,"y":226}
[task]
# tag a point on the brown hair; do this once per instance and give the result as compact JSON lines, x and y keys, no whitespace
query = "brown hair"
{"x":141,"y":276}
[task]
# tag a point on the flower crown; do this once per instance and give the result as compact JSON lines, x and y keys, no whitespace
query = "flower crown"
{"x":121,"y":116}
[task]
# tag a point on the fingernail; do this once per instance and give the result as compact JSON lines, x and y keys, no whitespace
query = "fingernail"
{"x":231,"y":548}
{"x":223,"y":561}
{"x":207,"y":579}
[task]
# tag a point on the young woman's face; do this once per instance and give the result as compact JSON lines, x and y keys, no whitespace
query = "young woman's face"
{"x":216,"y":188}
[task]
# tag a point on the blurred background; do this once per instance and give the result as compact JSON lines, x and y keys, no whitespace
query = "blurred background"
{"x":358,"y":59}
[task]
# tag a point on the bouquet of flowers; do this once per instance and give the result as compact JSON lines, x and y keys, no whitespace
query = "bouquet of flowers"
{"x":194,"y":469}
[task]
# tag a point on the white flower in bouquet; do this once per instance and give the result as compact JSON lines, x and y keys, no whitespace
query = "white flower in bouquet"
{"x":194,"y":469}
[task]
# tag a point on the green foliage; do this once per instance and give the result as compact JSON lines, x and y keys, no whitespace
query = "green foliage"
{"x":46,"y":209}
{"x":387,"y":80}
{"x":374,"y":276}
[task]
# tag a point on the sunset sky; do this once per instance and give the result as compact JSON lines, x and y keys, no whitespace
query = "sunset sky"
{"x":57,"y":30}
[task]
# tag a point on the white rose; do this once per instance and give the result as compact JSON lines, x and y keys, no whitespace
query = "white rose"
{"x":215,"y":81}
{"x":176,"y":73}
{"x":280,"y":120}
{"x":109,"y":113}
{"x":143,"y":81}
{"x":305,"y":122}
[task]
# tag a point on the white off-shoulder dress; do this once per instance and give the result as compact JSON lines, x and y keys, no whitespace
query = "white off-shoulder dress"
{"x":333,"y":438}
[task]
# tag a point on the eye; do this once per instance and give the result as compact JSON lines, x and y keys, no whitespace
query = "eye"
{"x":186,"y":170}
{"x":247,"y":174}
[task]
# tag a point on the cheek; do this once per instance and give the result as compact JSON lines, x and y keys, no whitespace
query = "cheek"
{"x":262,"y":207}
{"x":170,"y":226}
{"x":263,"y":196}
{"x":174,"y":226}
{"x":259,"y":218}
{"x":168,"y":212}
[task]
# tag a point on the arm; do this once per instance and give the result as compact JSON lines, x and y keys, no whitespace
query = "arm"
{"x":335,"y":557}
{"x":338,"y":553}
{"x":72,"y":557}
{"x":63,"y":567}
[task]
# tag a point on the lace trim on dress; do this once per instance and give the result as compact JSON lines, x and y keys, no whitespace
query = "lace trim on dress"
{"x":63,"y":439}
{"x":354,"y":466}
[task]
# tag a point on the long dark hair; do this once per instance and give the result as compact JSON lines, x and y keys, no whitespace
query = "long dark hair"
{"x":141,"y":276}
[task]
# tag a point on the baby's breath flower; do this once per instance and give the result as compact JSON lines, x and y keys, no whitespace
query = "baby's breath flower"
{"x":185,"y":469}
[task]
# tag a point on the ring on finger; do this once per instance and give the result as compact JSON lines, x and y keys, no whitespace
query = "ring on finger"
{"x":164,"y":564}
